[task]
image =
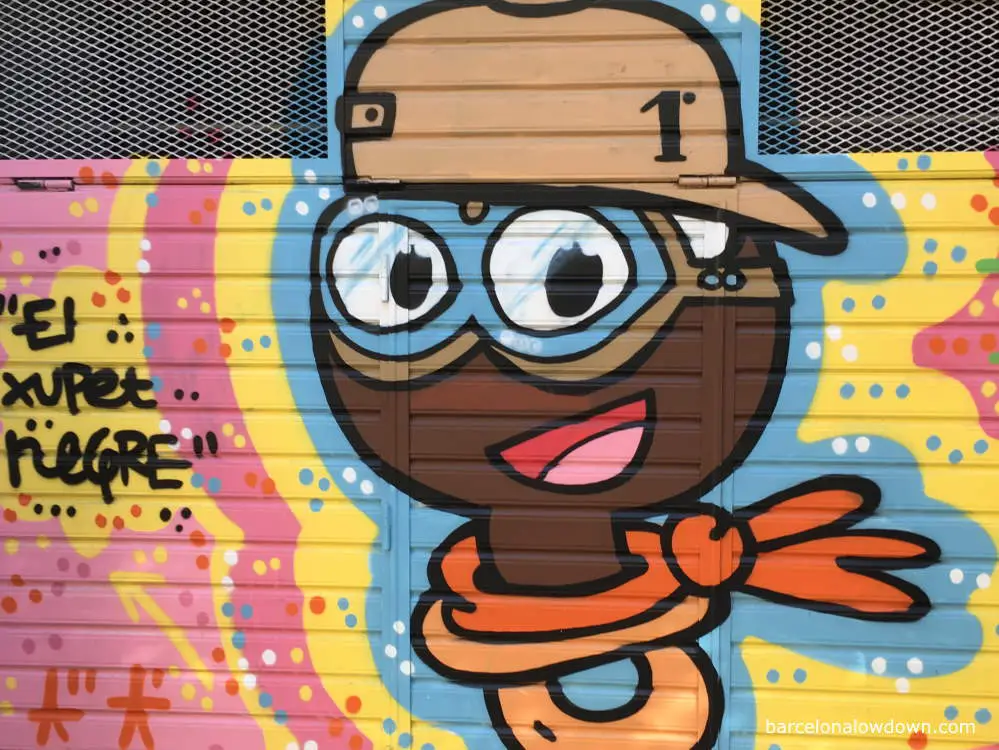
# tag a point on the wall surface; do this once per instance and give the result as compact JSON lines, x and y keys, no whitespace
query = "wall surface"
{"x":532,"y":445}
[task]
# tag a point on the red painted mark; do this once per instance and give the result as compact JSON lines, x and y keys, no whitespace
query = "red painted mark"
{"x":137,"y":705}
{"x":49,"y":716}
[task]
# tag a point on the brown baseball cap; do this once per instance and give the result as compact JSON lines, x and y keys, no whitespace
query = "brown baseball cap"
{"x":629,"y":96}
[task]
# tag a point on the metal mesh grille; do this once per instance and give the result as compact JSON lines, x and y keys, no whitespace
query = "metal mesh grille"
{"x":846,"y":76}
{"x":162,"y":79}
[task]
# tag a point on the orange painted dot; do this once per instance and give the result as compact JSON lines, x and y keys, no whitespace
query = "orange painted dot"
{"x":918,"y":740}
{"x":16,"y":581}
{"x":232,"y":687}
{"x":9,"y":515}
{"x":200,"y":346}
{"x":218,"y":654}
{"x":318,"y":605}
{"x":291,"y":609}
{"x":335,"y":727}
{"x":210,"y":204}
{"x":202,"y":562}
{"x":97,"y":299}
{"x":225,"y":350}
{"x":960,"y":346}
{"x":250,"y":479}
{"x":124,"y":295}
{"x":109,"y":180}
{"x":101,"y":521}
{"x":987,"y":342}
{"x":9,"y":605}
{"x":194,"y":217}
{"x":111,"y":277}
{"x":353,"y":704}
{"x":994,"y":216}
{"x":267,"y":486}
{"x":938,"y":345}
{"x":86,"y":175}
{"x":356,"y":742}
{"x":119,"y":523}
{"x":979,"y":202}
{"x":24,"y":499}
{"x":136,"y":511}
{"x":35,"y":596}
{"x":197,"y":538}
{"x":228,"y":325}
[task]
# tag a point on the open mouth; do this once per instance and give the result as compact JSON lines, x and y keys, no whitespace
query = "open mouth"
{"x":584,"y":450}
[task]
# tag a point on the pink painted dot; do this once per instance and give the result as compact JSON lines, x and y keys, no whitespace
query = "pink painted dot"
{"x":58,"y":588}
{"x":63,"y":564}
{"x":203,"y":619}
{"x":55,"y":642}
{"x":28,"y":646}
{"x":74,"y":247}
{"x":84,"y":570}
{"x":186,"y":598}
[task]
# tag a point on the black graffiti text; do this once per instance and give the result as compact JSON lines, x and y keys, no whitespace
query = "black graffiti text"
{"x":75,"y":383}
{"x":32,"y":327}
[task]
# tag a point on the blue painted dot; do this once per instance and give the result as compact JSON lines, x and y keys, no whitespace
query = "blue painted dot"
{"x":157,"y":383}
{"x":316,"y":505}
{"x":266,"y":701}
{"x":847,"y":390}
{"x":800,"y":675}
{"x":903,"y":391}
{"x":228,"y":609}
{"x":775,"y":747}
{"x":876,"y":391}
{"x":955,"y":457}
{"x":878,"y":302}
{"x":427,"y":746}
{"x":281,"y":716}
{"x":930,"y":246}
{"x":903,"y":164}
{"x":405,"y":739}
{"x":197,"y":480}
{"x":153,"y":331}
{"x":958,"y":254}
{"x":930,"y":268}
{"x":342,"y":604}
{"x":214,"y":484}
{"x":249,"y":209}
{"x":247,"y":345}
{"x":933,"y":442}
{"x":983,"y":716}
{"x":153,"y":169}
{"x":773,"y":675}
{"x":265,"y":341}
{"x":147,"y":351}
{"x":246,"y":611}
{"x":305,"y":476}
{"x":849,"y":304}
{"x":923,"y":162}
{"x":351,"y":621}
{"x":239,"y":639}
{"x":389,"y":726}
{"x":152,"y":200}
{"x":324,"y":484}
{"x":950,"y":713}
{"x":981,"y":447}
{"x":266,"y":204}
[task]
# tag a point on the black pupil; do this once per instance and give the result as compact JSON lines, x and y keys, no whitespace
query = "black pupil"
{"x":410,"y":279}
{"x":573,"y":281}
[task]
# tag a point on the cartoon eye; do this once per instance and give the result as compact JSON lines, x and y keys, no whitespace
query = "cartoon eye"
{"x":387,"y":274}
{"x":552,"y":270}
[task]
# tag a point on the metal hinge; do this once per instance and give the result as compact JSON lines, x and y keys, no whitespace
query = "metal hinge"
{"x":45,"y":184}
{"x":706,"y":181}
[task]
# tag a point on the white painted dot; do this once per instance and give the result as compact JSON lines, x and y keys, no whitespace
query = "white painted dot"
{"x":291,"y":746}
{"x":984,"y":580}
{"x":324,"y":193}
{"x":367,"y":487}
{"x":186,"y":433}
{"x":230,"y":557}
{"x":227,"y":583}
{"x":165,"y":426}
{"x":269,"y":657}
{"x":733,"y":14}
{"x":406,"y":667}
{"x":850,"y":353}
{"x":358,"y":22}
{"x":929,"y":201}
{"x":354,"y":206}
{"x":902,"y":685}
{"x":399,"y":627}
{"x":145,"y":245}
{"x":835,"y":333}
{"x":310,"y":175}
{"x":350,"y":474}
{"x":956,"y":575}
{"x":879,"y":665}
{"x":250,"y":680}
{"x":243,"y":664}
{"x":898,"y":201}
{"x":863,"y":444}
{"x":142,"y":266}
{"x":870,"y":200}
{"x":915,"y":665}
{"x":302,"y":208}
{"x":708,"y":12}
{"x":813,"y":350}
{"x":391,"y":651}
{"x":380,"y":13}
{"x":371,"y":204}
{"x":311,"y":745}
{"x":840,"y":446}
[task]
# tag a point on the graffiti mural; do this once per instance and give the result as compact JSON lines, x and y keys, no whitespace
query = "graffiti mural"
{"x":545,"y":412}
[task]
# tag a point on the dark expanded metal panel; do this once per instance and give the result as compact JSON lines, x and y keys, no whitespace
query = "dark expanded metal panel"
{"x":844,"y":76}
{"x":163,"y":78}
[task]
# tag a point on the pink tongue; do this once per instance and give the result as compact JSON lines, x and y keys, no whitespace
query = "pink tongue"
{"x":597,"y":460}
